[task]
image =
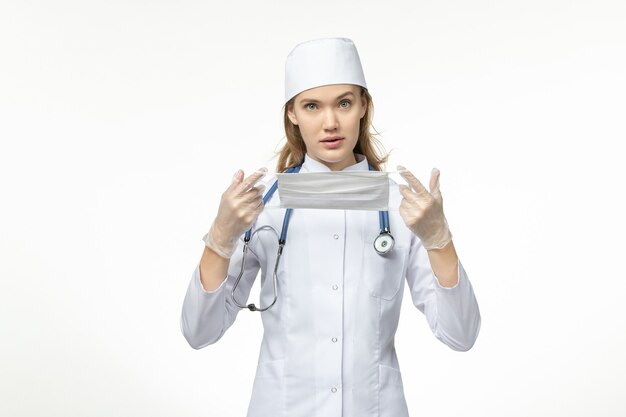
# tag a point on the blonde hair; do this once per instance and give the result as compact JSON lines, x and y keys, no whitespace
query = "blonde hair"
{"x":292,"y":153}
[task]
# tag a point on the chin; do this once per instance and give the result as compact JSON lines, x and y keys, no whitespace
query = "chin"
{"x":334,"y":157}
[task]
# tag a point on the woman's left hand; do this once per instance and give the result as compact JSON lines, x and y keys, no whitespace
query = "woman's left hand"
{"x":422,"y":211}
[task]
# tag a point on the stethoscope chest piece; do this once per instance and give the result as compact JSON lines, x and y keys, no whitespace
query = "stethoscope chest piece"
{"x":383,"y":243}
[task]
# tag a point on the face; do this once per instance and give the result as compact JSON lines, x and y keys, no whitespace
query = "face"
{"x":328,"y":118}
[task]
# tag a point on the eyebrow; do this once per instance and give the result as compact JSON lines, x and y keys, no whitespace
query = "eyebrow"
{"x":312,"y":100}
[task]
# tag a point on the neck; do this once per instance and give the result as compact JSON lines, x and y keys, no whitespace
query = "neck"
{"x":338,"y":166}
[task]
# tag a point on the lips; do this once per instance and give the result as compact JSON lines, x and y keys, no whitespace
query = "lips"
{"x":332,"y":143}
{"x":332,"y":139}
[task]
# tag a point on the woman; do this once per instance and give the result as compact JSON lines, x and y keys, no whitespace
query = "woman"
{"x":328,"y":344}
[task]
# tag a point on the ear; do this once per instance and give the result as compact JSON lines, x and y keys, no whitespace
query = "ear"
{"x":291,"y":114}
{"x":363,"y":106}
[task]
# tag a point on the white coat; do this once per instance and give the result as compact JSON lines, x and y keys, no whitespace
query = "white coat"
{"x":328,"y":344}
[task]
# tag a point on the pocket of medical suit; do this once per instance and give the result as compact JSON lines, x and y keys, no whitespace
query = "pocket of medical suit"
{"x":391,"y":395}
{"x":270,"y":370}
{"x":383,"y":273}
{"x":389,"y":375}
{"x":267,"y":397}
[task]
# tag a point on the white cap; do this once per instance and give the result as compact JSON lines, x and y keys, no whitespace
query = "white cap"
{"x":322,"y":62}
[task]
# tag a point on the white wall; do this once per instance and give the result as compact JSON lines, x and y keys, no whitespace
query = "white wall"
{"x":121,"y":123}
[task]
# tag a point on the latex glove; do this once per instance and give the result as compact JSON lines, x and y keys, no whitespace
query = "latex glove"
{"x":422,"y":211}
{"x":240,"y":205}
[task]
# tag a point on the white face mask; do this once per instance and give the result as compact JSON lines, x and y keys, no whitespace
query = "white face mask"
{"x":343,"y":190}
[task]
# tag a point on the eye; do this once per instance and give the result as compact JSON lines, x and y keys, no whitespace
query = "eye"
{"x":345,"y":101}
{"x":309,"y":104}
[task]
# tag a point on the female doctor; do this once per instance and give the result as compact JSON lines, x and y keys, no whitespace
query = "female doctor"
{"x":328,"y":344}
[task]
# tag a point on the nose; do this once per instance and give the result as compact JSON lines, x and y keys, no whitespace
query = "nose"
{"x":330,"y":120}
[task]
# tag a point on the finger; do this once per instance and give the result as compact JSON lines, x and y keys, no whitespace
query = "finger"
{"x":253,"y":202}
{"x":250,"y":180}
{"x":255,"y":205}
{"x":434,"y":181}
{"x":257,"y":189}
{"x":406,"y":211}
{"x":237,"y":178}
{"x":408,"y":194}
{"x":411,"y":180}
{"x":257,"y":210}
{"x":253,"y":193}
{"x":234,"y":183}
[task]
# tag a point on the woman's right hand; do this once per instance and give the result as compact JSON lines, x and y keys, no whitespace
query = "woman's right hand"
{"x":240,"y":205}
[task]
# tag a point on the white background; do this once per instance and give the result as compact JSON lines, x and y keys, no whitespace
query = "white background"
{"x":122,"y":122}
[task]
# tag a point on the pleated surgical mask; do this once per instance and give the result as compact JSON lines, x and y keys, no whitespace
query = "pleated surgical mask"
{"x":343,"y":190}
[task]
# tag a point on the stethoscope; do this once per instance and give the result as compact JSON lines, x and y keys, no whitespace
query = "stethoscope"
{"x":382,"y":244}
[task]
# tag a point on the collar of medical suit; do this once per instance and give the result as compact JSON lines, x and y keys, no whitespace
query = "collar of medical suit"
{"x":311,"y":165}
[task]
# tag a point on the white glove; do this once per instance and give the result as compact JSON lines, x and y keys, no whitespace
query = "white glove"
{"x":239,"y":207}
{"x":422,"y":211}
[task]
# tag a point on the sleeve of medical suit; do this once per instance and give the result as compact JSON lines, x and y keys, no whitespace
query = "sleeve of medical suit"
{"x":206,"y":315}
{"x":452,"y":313}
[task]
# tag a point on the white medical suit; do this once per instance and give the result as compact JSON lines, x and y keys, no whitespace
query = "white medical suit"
{"x":328,"y":344}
